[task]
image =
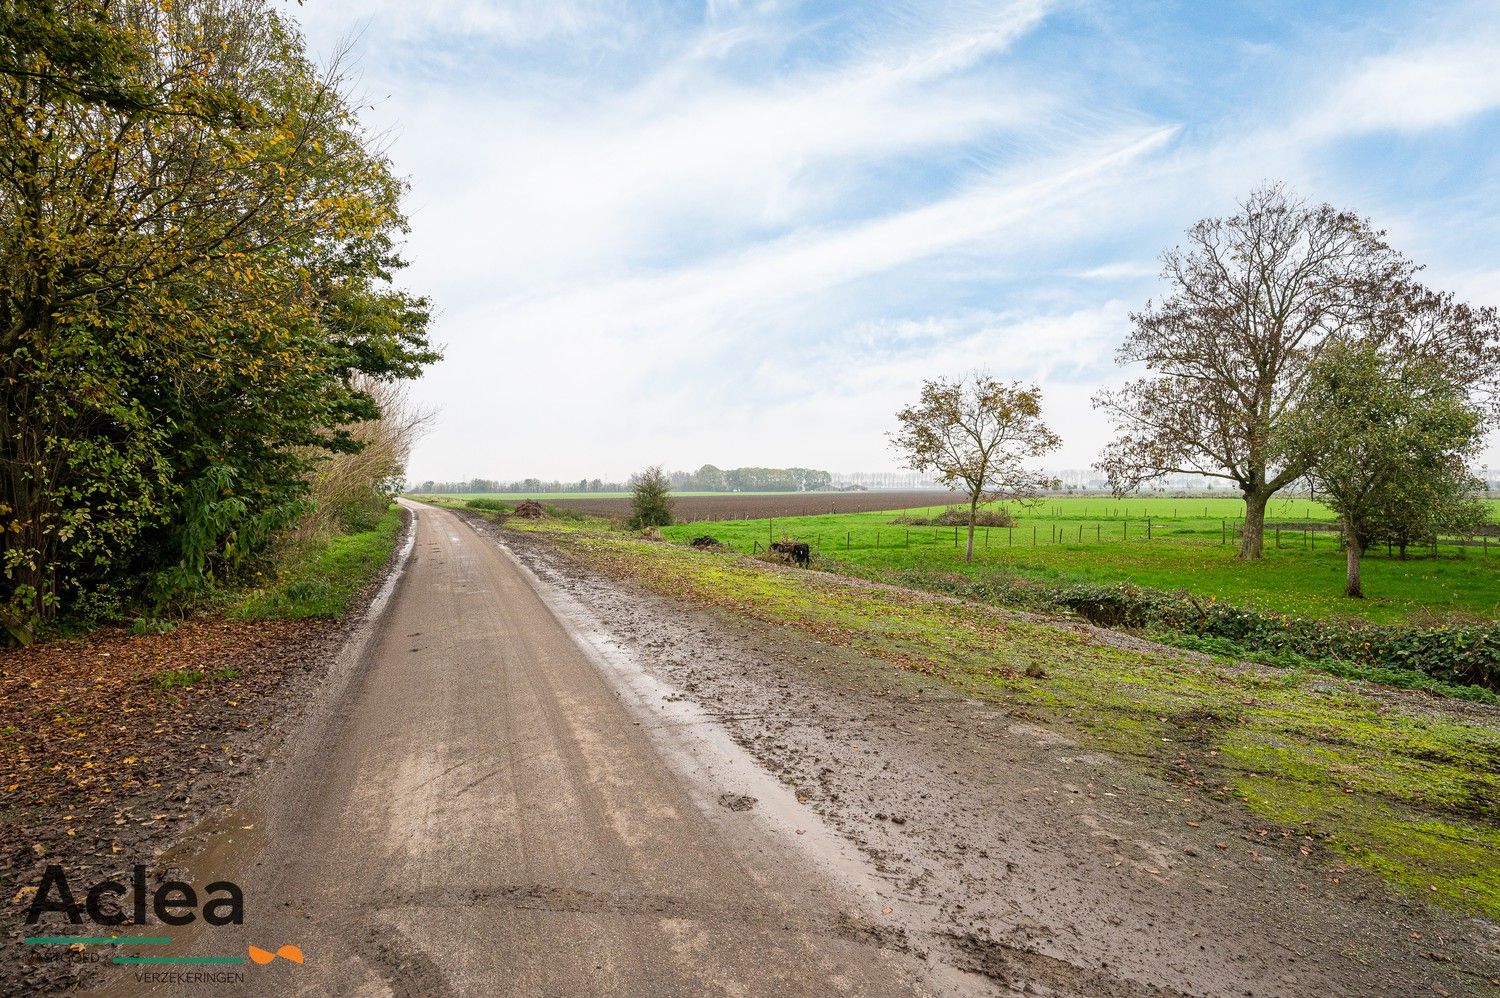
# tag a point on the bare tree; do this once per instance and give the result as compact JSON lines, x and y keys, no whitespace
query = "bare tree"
{"x":976,"y":433}
{"x":1252,"y":299}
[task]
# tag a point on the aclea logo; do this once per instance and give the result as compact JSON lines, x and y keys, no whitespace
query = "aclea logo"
{"x":173,"y":902}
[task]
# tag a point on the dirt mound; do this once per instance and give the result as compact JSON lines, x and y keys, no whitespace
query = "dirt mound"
{"x":530,"y":509}
{"x":794,"y":552}
{"x":707,"y":542}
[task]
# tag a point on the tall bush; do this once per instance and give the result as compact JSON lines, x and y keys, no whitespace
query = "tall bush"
{"x":650,"y":499}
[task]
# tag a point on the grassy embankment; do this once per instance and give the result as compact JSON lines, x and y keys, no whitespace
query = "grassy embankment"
{"x":321,"y":579}
{"x":1191,"y":547}
{"x":1402,"y":785}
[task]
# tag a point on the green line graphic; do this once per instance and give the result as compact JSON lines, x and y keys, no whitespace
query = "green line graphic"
{"x":178,"y":959}
{"x":98,"y":940}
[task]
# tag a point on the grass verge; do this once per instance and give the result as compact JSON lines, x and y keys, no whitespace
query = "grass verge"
{"x":323,"y":579}
{"x":1402,"y":785}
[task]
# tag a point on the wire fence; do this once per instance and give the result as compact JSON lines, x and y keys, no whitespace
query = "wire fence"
{"x":1304,"y":536}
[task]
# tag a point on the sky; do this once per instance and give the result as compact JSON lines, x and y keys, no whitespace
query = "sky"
{"x":743,"y":233}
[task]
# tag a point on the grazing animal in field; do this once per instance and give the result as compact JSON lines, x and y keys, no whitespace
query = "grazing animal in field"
{"x":799,"y":553}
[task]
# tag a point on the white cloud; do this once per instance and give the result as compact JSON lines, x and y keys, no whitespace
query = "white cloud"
{"x":1122,"y":270}
{"x":1413,"y":90}
{"x":513,"y":22}
{"x":742,"y":241}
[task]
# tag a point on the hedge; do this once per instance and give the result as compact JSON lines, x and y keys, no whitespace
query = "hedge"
{"x":1463,"y":654}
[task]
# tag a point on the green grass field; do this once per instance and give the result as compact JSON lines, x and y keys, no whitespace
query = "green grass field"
{"x":1191,"y":546}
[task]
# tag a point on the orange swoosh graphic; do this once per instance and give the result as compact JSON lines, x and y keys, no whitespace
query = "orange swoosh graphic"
{"x":287,"y":952}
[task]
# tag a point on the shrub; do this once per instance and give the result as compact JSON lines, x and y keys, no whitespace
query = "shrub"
{"x":650,"y":499}
{"x":958,"y":516}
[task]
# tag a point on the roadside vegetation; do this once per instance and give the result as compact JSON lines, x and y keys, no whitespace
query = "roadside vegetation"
{"x":1402,"y":784}
{"x":198,"y":326}
{"x":203,"y":428}
{"x":650,"y":499}
{"x":324,"y":577}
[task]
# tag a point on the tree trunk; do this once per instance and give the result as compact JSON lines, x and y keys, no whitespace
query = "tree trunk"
{"x":1353,"y":587}
{"x":1252,"y":538}
{"x":973,"y":514}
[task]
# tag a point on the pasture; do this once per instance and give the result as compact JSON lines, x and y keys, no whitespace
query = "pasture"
{"x":1158,"y":542}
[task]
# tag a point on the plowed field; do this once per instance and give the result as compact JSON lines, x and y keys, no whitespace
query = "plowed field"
{"x":733,"y":506}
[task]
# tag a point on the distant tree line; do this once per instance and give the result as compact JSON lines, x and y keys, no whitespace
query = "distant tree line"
{"x":534,"y":485}
{"x":706,"y":479}
{"x":711,"y":479}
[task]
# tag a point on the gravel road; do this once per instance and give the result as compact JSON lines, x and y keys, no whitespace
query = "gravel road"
{"x":484,"y":807}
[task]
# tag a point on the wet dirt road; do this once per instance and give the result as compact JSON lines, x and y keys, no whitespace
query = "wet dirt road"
{"x":483,"y":811}
{"x":532,"y":778}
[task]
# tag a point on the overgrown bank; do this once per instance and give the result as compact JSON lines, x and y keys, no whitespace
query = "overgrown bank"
{"x":1455,"y":660}
{"x":1401,"y":784}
